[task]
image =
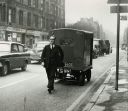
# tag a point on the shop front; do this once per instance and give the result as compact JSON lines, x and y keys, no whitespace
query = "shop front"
{"x":24,"y":36}
{"x":15,"y":37}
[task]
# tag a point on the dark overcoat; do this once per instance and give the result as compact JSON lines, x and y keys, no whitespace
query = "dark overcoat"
{"x":52,"y":56}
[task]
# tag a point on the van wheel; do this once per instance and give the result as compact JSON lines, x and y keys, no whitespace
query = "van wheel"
{"x":88,"y":75}
{"x":4,"y":70}
{"x":24,"y":67}
{"x":81,"y":79}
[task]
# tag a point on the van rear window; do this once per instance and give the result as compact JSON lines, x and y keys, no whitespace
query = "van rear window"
{"x":66,"y":42}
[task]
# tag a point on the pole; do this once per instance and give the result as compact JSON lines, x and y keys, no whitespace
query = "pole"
{"x":117,"y":47}
{"x":127,"y":45}
{"x":127,"y":51}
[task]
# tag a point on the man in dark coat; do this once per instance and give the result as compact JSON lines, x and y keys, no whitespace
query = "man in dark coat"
{"x":52,"y":55}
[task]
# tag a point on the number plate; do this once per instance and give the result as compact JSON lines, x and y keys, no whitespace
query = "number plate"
{"x":68,"y":64}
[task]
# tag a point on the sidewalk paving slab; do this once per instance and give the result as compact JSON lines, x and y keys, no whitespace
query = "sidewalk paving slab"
{"x":109,"y":99}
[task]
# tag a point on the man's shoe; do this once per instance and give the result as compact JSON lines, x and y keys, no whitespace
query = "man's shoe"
{"x":50,"y":91}
{"x":52,"y":88}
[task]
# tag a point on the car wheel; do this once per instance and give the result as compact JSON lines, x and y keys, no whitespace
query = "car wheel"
{"x":82,"y":79}
{"x":4,"y":70}
{"x":24,"y":67}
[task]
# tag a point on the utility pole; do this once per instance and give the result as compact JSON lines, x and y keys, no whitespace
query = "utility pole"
{"x":117,"y":45}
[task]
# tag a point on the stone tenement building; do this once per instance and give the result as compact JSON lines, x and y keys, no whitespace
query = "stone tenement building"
{"x":28,"y":21}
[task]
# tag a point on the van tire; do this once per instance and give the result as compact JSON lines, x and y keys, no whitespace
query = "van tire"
{"x":88,"y":75}
{"x":81,"y":79}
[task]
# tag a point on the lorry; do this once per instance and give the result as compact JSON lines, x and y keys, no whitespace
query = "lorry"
{"x":96,"y":46}
{"x":107,"y":48}
{"x":77,"y":46}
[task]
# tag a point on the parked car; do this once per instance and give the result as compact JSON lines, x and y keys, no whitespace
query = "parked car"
{"x":36,"y":51}
{"x":12,"y":55}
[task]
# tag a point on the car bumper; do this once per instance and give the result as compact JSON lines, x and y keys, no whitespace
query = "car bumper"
{"x":35,"y":58}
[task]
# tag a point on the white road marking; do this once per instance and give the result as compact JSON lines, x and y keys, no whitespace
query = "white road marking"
{"x":16,"y":82}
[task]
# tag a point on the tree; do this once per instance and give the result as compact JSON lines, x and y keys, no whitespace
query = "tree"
{"x":89,"y":25}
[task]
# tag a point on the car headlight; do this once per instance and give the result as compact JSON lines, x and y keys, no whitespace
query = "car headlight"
{"x":40,"y":55}
{"x":0,"y":64}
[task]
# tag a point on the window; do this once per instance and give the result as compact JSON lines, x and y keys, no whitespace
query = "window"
{"x":36,"y":3}
{"x":29,"y":19}
{"x":36,"y":20}
{"x":21,"y":48}
{"x":42,"y":22}
{"x":14,"y":48}
{"x":12,"y":15}
{"x":52,"y":9}
{"x":21,"y":1}
{"x":47,"y":25}
{"x":29,"y":2}
{"x":3,"y":13}
{"x":59,"y":12}
{"x":47,"y":7}
{"x":20,"y":17}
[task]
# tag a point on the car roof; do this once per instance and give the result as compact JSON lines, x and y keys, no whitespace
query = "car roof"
{"x":9,"y":42}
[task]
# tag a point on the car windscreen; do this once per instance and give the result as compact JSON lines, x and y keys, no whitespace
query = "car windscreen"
{"x":4,"y":47}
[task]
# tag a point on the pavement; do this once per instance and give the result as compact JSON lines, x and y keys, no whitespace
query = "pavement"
{"x":107,"y":98}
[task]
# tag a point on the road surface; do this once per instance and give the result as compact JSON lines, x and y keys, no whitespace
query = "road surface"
{"x":27,"y":91}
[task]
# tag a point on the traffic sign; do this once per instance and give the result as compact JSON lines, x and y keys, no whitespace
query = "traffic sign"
{"x":123,"y":17}
{"x":117,"y":1}
{"x":120,"y":9}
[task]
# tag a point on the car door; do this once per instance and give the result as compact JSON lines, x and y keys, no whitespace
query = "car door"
{"x":14,"y":56}
{"x":21,"y":55}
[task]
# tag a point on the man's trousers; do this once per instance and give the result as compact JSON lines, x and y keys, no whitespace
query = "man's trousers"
{"x":51,"y":70}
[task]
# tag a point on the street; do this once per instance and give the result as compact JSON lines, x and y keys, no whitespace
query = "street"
{"x":27,"y":91}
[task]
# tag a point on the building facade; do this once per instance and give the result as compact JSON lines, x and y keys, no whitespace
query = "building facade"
{"x":28,"y":21}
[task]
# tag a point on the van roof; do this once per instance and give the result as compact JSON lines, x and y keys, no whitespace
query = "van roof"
{"x":74,"y":30}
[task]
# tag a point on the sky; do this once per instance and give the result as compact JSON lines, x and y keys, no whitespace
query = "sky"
{"x":98,"y":9}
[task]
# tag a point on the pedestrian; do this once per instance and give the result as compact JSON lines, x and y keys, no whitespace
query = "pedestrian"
{"x":52,"y":56}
